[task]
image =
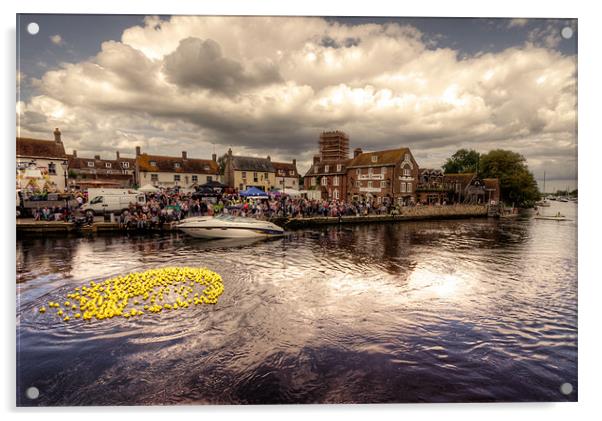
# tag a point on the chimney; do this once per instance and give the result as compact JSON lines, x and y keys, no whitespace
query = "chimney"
{"x":117,"y":154}
{"x":184,"y":155}
{"x":137,"y":150}
{"x":214,"y":158}
{"x":356,"y":152}
{"x":230,"y":151}
{"x":316,"y":159}
{"x":295,"y":163}
{"x":57,"y":135}
{"x":269,"y":159}
{"x":96,"y":156}
{"x":74,"y":153}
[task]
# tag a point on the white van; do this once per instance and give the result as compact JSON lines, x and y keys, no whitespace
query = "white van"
{"x":113,"y":202}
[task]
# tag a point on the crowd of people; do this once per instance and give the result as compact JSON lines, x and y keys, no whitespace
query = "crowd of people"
{"x":165,"y":207}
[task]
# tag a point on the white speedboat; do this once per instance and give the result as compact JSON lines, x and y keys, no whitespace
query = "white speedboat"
{"x":228,"y":226}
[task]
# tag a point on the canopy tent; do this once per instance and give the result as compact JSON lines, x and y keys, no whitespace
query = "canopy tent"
{"x":291,"y":192}
{"x":254,"y":192}
{"x":214,"y":184}
{"x":205,"y":192}
{"x":148,"y":188}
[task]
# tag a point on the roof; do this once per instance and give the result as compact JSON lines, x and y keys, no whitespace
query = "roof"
{"x":431,"y":171}
{"x":492,"y":183}
{"x":286,"y":166}
{"x":463,"y":178}
{"x":332,"y":170}
{"x":250,"y":163}
{"x":77,"y":162}
{"x":168,"y":164}
{"x":387,"y":157}
{"x":38,"y":148}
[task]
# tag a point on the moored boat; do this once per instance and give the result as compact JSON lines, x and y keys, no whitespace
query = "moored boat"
{"x":228,"y":226}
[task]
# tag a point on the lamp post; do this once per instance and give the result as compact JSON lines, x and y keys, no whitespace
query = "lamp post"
{"x":65,"y":163}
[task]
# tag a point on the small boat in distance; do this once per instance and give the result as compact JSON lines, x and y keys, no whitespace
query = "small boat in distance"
{"x":557,"y":217}
{"x":228,"y":226}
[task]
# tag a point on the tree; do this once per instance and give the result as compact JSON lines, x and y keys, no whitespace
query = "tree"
{"x":517,"y":183}
{"x":462,"y":161}
{"x":221,"y":161}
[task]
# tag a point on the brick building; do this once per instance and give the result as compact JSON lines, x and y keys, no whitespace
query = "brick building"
{"x":96,"y":172}
{"x":382,"y":176}
{"x":329,"y":177}
{"x":286,"y":175}
{"x":42,"y":164}
{"x":169,"y":171}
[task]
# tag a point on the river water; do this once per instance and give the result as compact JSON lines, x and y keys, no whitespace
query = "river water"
{"x":472,"y":310}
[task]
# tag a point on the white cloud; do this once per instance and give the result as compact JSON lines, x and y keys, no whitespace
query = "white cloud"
{"x":57,"y":39}
{"x":270,"y":85}
{"x":517,"y":22}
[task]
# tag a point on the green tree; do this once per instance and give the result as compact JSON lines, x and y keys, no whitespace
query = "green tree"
{"x":517,"y":183}
{"x":221,"y":161}
{"x":462,"y":161}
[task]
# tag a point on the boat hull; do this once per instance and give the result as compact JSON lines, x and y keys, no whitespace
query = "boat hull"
{"x":230,"y":232}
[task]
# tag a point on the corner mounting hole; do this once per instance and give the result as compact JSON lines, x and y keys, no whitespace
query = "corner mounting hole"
{"x":33,"y":28}
{"x":566,"y":388}
{"x":567,"y":32}
{"x":32,"y":392}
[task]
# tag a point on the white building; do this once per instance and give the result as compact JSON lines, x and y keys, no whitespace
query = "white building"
{"x":167,"y":171}
{"x":42,"y":164}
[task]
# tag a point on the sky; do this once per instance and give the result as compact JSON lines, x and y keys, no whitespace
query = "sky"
{"x":270,"y":85}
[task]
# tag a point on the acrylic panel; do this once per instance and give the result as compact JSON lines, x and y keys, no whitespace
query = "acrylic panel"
{"x":271,"y":210}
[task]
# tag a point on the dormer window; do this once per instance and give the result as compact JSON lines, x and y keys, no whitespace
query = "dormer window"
{"x":91,"y":164}
{"x":374,"y":158}
{"x":291,"y":172}
{"x":153,"y":163}
{"x":316,"y":168}
{"x":206,"y":168}
{"x":107,"y":165}
{"x":177,"y":165}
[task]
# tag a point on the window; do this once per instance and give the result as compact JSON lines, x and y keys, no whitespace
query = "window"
{"x":358,"y":184}
{"x":209,"y":178}
{"x":324,"y":181}
{"x":335,"y":180}
{"x":339,"y":166}
{"x":195,"y":178}
{"x":370,"y":171}
{"x":52,"y":168}
{"x":266,"y":175}
{"x":154,"y":178}
{"x":335,"y":194}
{"x":244,"y":174}
{"x":91,"y":164}
{"x":291,"y":172}
{"x":177,"y":165}
{"x":403,"y":187}
{"x":207,"y":168}
{"x":176,"y":177}
{"x":313,"y":181}
{"x":326,"y":168}
{"x":255,"y":177}
{"x":97,"y":199}
{"x":153,"y":163}
{"x":125,"y":164}
{"x":358,"y":171}
{"x":409,"y":189}
{"x":407,"y":172}
{"x":369,"y":183}
{"x":294,"y":183}
{"x":108,"y":165}
{"x":383,"y":184}
{"x":374,"y":158}
{"x":316,"y":169}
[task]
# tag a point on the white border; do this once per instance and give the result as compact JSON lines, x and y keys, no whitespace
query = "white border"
{"x":589,"y":203}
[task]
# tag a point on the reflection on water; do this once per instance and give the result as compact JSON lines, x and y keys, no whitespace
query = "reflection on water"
{"x":466,"y":310}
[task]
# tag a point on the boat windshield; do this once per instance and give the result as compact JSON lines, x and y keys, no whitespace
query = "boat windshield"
{"x":231,"y":218}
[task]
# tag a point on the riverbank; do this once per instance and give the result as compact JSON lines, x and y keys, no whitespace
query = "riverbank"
{"x":29,"y":226}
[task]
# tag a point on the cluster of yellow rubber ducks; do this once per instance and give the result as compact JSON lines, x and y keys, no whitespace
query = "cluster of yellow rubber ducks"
{"x":139,"y":293}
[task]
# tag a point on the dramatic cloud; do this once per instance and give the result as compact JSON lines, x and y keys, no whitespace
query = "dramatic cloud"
{"x":270,"y":85}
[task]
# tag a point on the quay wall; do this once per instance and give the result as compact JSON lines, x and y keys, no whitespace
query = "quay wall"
{"x":407,"y":214}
